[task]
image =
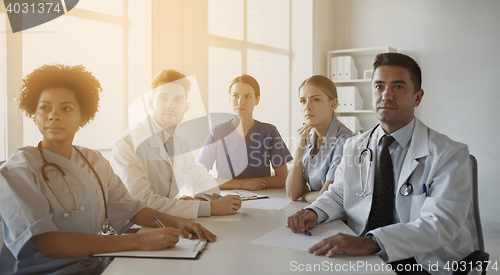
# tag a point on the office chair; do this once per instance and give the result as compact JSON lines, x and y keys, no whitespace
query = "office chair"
{"x":1,"y":162}
{"x":479,"y":256}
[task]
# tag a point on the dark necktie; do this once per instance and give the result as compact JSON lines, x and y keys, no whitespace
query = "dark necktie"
{"x":169,"y":146}
{"x":381,"y":213}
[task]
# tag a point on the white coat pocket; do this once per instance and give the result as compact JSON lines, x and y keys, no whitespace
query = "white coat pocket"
{"x":416,"y":205}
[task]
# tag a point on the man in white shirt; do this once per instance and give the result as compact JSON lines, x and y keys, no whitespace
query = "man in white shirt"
{"x":412,"y":207}
{"x":155,"y":163}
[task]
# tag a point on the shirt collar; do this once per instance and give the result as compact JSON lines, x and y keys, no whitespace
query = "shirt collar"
{"x":402,"y":136}
{"x":163,"y":134}
{"x":331,"y":134}
{"x":333,"y":129}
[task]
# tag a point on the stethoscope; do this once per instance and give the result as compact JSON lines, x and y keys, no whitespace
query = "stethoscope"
{"x":408,"y":187}
{"x":106,"y":227}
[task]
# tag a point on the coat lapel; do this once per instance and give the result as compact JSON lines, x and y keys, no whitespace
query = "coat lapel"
{"x":419,"y":148}
{"x":371,"y":176}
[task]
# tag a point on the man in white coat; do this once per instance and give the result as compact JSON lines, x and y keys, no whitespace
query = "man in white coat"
{"x":429,"y":224}
{"x":155,"y":163}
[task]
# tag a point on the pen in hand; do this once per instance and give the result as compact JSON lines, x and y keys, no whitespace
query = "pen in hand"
{"x":305,"y":232}
{"x":158,"y":222}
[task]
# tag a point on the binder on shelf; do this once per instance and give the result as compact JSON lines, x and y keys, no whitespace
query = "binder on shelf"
{"x":351,"y":122}
{"x":333,"y":68}
{"x":349,"y":99}
{"x":350,"y":70}
{"x":340,"y":68}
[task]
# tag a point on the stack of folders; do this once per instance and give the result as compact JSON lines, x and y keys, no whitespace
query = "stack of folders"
{"x":184,"y":249}
{"x":349,"y":99}
{"x":351,"y":122}
{"x":343,"y":68}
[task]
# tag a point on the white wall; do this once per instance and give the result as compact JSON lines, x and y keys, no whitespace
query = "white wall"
{"x":302,"y":61}
{"x":456,"y":43}
{"x":324,"y":22}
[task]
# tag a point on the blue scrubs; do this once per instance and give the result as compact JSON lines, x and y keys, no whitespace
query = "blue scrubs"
{"x":247,"y":158}
{"x":321,"y":168}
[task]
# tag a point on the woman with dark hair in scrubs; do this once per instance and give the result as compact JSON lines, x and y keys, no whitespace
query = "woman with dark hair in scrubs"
{"x":243,"y":148}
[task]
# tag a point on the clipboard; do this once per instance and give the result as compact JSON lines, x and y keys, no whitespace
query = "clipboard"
{"x":245,"y":195}
{"x":184,"y":249}
{"x":253,"y":197}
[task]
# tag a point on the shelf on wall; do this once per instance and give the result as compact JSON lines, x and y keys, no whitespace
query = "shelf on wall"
{"x":373,"y":50}
{"x":352,"y":81}
{"x":363,"y":60}
{"x":355,"y":112}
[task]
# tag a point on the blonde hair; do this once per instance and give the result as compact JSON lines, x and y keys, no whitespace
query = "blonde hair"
{"x":323,"y":83}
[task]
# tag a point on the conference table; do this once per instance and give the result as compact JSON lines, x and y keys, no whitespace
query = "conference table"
{"x":233,"y":253}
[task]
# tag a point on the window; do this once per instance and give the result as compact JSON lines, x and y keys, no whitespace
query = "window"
{"x":3,"y":87}
{"x":110,"y":38}
{"x":251,"y":37}
{"x":99,"y":47}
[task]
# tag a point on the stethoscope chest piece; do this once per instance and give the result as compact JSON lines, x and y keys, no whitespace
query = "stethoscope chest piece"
{"x":106,"y":228}
{"x":406,"y":189}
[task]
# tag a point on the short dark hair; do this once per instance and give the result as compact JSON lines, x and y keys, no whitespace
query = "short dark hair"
{"x":247,"y":79}
{"x":401,"y":60}
{"x":167,"y":76}
{"x":76,"y":78}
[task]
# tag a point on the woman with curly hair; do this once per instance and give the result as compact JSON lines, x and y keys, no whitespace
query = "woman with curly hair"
{"x":61,"y":203}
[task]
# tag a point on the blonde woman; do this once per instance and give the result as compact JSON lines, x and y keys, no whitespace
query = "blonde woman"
{"x":321,"y":140}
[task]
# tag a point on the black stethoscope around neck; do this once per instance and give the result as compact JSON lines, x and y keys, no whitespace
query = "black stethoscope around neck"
{"x":405,"y":189}
{"x":106,"y":227}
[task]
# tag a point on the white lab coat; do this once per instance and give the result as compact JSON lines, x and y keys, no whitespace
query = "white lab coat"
{"x":141,"y":161}
{"x":28,"y":207}
{"x":434,"y":228}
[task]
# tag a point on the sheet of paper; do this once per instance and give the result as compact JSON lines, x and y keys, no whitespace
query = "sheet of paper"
{"x":268,"y":204}
{"x":228,"y":218}
{"x":284,"y":237}
{"x":183,"y":249}
{"x":241,"y":193}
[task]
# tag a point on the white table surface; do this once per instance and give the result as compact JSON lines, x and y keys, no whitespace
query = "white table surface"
{"x":232,"y":253}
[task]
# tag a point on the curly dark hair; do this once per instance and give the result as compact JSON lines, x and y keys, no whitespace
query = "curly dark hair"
{"x":76,"y":78}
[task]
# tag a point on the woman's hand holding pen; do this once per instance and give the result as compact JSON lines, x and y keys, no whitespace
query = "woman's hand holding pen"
{"x":158,"y":239}
{"x":193,"y":230}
